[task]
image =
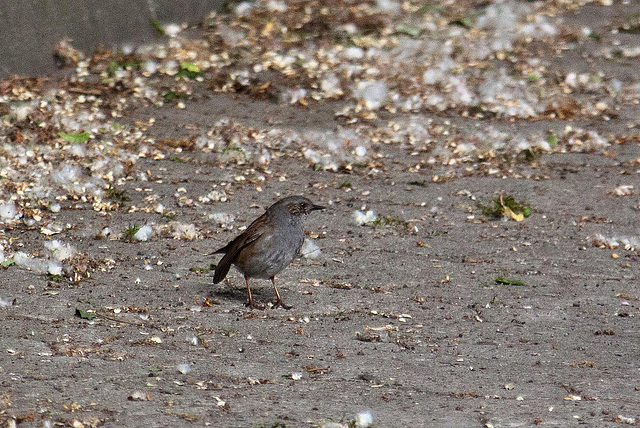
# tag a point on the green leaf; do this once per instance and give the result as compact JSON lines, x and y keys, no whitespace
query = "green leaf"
{"x":85,"y":315}
{"x":155,"y":24}
{"x":130,"y":231}
{"x":406,"y":29}
{"x":552,"y":139}
{"x":75,"y":138}
{"x":170,"y":96}
{"x":464,"y":23}
{"x":112,"y":68}
{"x":135,"y":64}
{"x":189,"y":69}
{"x":433,"y":8}
{"x":8,"y":263}
{"x":168,"y":216}
{"x":506,"y":281}
{"x":189,"y":66}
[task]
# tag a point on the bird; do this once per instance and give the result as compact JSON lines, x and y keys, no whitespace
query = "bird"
{"x":268,"y":245}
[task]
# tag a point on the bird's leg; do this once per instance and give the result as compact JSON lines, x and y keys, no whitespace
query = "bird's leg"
{"x":279,"y":302}
{"x":250,"y":302}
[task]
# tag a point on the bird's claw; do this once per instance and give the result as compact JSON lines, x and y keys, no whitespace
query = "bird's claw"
{"x":251,"y":304}
{"x":282,"y":305}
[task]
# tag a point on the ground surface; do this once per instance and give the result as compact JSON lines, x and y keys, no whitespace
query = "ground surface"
{"x":403,"y":318}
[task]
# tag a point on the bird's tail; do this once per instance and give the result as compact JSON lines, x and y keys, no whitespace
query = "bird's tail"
{"x":222,"y":250}
{"x":223,"y":267}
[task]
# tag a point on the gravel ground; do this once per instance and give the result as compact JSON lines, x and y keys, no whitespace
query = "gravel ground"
{"x":122,"y":175}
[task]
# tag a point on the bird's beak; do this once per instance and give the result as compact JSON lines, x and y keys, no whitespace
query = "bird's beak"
{"x":317,"y":207}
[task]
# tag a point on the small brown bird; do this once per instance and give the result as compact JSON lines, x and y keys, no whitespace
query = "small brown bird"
{"x":268,"y":245}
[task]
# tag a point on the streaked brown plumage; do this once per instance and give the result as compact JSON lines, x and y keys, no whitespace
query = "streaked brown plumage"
{"x":268,"y":245}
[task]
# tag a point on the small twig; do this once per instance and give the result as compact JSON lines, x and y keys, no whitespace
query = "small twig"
{"x":142,"y":324}
{"x":85,"y":91}
{"x":312,"y":369}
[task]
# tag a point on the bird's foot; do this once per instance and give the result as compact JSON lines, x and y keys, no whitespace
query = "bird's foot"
{"x":280,"y":303}
{"x":251,"y":304}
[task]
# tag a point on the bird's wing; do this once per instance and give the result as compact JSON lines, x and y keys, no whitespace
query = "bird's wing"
{"x":233,"y":248}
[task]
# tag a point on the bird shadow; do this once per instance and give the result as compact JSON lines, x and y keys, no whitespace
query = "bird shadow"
{"x":230,"y":291}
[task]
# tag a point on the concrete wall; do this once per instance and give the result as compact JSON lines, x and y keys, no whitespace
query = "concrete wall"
{"x":29,"y":29}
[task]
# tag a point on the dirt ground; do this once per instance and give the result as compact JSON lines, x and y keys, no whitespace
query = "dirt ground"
{"x":436,"y":315}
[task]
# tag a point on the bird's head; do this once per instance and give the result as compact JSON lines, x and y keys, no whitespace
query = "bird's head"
{"x":296,"y":205}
